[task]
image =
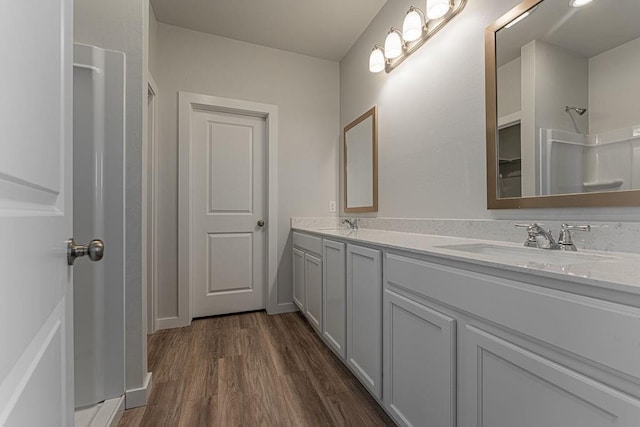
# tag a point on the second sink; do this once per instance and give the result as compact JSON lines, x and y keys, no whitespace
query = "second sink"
{"x":527,"y":255}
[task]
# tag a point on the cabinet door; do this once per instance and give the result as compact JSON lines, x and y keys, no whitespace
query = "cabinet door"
{"x":506,"y":385}
{"x":364,"y":316}
{"x":313,"y":290}
{"x":335,"y":297}
{"x":298,"y":278}
{"x":420,"y":365}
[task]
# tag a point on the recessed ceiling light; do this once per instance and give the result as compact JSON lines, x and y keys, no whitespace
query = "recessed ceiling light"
{"x":579,"y":3}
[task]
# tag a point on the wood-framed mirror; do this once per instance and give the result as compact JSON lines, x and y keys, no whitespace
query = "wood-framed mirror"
{"x":361,"y":163}
{"x":563,"y":111}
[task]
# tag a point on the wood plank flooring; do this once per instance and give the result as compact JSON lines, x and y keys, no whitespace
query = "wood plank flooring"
{"x":248,"y":370}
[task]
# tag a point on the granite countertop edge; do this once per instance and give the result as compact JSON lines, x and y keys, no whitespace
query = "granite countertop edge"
{"x":618,"y":271}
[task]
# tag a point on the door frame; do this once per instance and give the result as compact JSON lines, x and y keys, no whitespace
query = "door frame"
{"x":149,"y":208}
{"x":187,"y":103}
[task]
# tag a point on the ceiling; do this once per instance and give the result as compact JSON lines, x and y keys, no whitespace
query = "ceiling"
{"x":324,"y":29}
{"x":587,"y":31}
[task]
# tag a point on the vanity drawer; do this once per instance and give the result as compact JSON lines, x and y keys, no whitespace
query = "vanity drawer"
{"x":307,"y":242}
{"x":600,"y":331}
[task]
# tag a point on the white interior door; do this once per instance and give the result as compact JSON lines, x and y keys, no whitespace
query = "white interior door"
{"x":36,"y":360}
{"x":227,"y":194}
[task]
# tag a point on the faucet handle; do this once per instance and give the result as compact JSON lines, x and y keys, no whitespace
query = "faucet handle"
{"x":576,"y":227}
{"x":565,"y":239}
{"x":533,"y":225}
{"x":531,"y":241}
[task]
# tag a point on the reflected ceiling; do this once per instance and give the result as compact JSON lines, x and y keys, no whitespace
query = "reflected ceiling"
{"x":555,"y":22}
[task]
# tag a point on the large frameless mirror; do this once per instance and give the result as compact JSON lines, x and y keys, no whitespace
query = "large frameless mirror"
{"x":361,"y":164}
{"x":563,"y":104}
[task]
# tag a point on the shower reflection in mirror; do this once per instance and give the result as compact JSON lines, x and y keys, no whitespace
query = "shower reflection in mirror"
{"x":568,"y":99}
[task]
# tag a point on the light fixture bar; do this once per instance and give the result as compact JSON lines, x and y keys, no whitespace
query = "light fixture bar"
{"x":429,"y":32}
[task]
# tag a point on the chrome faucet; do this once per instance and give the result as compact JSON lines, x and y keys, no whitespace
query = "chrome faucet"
{"x":353,"y":223}
{"x":538,"y":237}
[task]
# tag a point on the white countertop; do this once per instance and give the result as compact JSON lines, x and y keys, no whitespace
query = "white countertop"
{"x":615,"y":270}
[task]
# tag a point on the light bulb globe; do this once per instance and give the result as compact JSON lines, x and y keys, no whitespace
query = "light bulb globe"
{"x":436,"y":9}
{"x":412,"y":26}
{"x":376,"y":60}
{"x":393,"y":45}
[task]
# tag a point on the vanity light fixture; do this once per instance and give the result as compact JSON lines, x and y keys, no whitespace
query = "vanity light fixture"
{"x":393,"y":45}
{"x":376,"y":60}
{"x":414,"y":24}
{"x":417,"y":28}
{"x":436,"y":9}
{"x":579,"y":3}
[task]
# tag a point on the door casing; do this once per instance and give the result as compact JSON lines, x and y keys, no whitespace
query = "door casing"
{"x":187,"y":103}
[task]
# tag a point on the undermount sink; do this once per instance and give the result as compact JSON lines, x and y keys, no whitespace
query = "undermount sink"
{"x":339,"y":231}
{"x":528,"y":255}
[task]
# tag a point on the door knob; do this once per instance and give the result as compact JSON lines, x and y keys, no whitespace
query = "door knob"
{"x":95,"y":250}
{"x":261,"y":223}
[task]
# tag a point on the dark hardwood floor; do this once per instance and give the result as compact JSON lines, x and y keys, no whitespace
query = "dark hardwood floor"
{"x":249,"y":370}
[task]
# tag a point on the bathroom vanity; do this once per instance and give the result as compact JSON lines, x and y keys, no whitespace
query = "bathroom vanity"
{"x":446,"y":331}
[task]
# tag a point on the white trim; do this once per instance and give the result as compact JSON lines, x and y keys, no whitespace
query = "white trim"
{"x":150,"y":201}
{"x":509,"y":120}
{"x":104,"y":414}
{"x":168,"y":323}
{"x":287,"y":307}
{"x":186,"y":103}
{"x":138,"y":396}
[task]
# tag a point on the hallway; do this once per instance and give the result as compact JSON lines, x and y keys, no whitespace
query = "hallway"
{"x":250,"y":369}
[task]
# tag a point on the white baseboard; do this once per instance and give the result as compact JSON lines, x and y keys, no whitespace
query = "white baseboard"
{"x":288,"y":307}
{"x":110,"y":413}
{"x":139,"y":396}
{"x":103,"y":414}
{"x":169,"y":323}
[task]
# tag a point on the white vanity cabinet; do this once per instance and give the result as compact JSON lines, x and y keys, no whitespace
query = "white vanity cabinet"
{"x":364,"y":316}
{"x":334,"y":299}
{"x":307,"y":277}
{"x":529,"y":355}
{"x":443,"y":341}
{"x":419,"y":363}
{"x":508,"y":385}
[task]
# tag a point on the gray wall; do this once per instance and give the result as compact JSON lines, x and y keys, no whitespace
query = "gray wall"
{"x":121,"y":25}
{"x":306,"y":91}
{"x":613,"y":89}
{"x":153,"y":42}
{"x":431,"y":112}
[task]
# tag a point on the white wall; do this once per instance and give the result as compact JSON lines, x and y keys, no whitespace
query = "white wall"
{"x":431,"y":112}
{"x":509,"y":88}
{"x":614,"y":88}
{"x":306,"y":91}
{"x":153,"y":42}
{"x":121,"y":25}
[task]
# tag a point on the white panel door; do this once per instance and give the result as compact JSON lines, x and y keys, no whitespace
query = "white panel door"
{"x":334,"y":296}
{"x":36,"y":359}
{"x":506,"y":385}
{"x":313,"y":288}
{"x":420,"y":365}
{"x":364,"y":316}
{"x":228,"y":186}
{"x":298,"y":279}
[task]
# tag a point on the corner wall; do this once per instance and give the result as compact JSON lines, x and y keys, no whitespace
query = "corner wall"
{"x":306,"y":91}
{"x":431,"y":121}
